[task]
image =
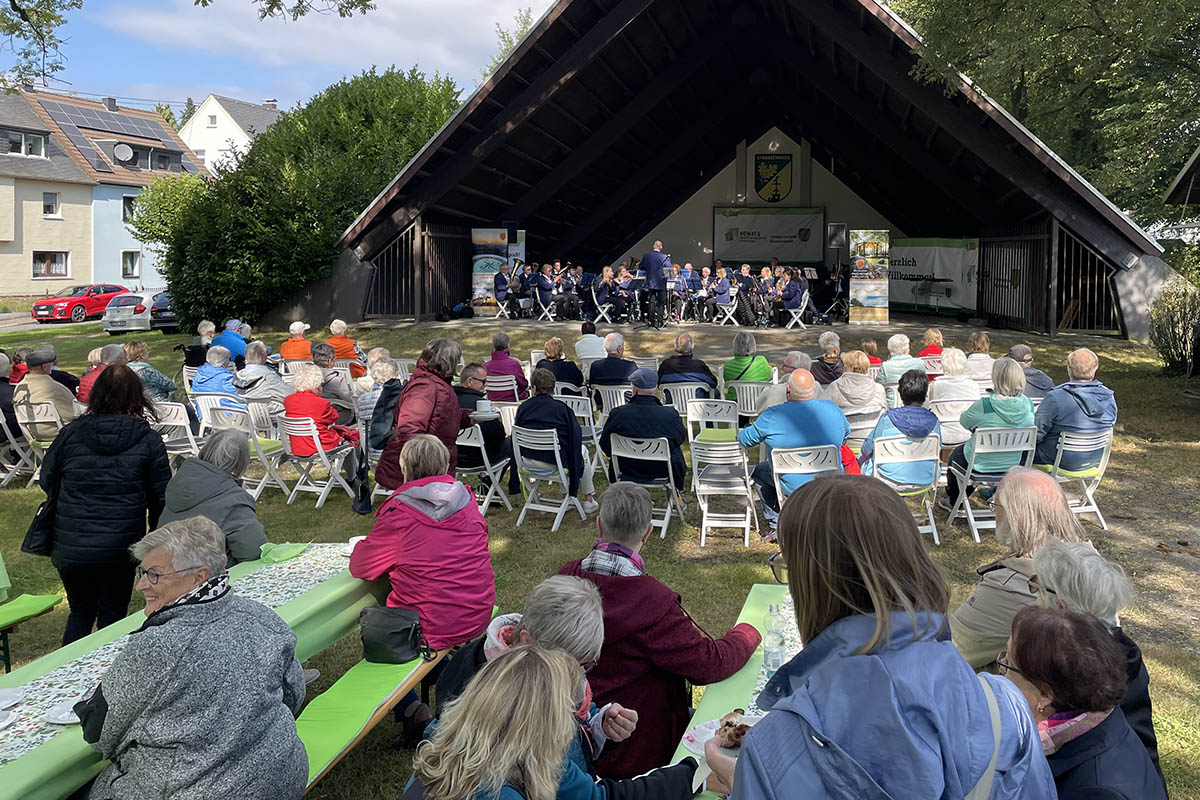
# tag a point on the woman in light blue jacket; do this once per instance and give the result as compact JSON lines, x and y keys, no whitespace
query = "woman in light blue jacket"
{"x":879,"y":704}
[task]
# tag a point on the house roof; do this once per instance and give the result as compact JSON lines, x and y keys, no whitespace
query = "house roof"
{"x":605,"y":118}
{"x":58,"y":165}
{"x":1185,"y":189}
{"x":252,"y":118}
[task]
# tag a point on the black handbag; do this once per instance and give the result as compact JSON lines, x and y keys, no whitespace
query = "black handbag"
{"x":392,"y":635}
{"x":39,"y":539}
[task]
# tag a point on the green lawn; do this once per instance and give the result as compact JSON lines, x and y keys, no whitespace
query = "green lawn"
{"x":1150,"y":499}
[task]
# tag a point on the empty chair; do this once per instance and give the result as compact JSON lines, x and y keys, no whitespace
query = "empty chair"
{"x":894,"y":450}
{"x":719,"y":469}
{"x":527,"y":445}
{"x":176,"y":429}
{"x":1018,"y":442}
{"x":610,"y":397}
{"x":473,"y":437}
{"x":1089,"y":477}
{"x":646,"y":362}
{"x":712,"y":415}
{"x":680,"y":393}
{"x":657,"y":450}
{"x":747,"y":394}
{"x":501,"y":386}
{"x":585,"y":413}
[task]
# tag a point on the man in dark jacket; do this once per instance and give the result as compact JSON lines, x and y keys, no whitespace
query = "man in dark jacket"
{"x":657,"y":265}
{"x":1037,"y":383}
{"x":469,"y":392}
{"x":644,"y":417}
{"x":652,"y":648}
{"x":1081,"y":405}
{"x":544,"y":412}
{"x":615,"y":369}
{"x":684,"y":367}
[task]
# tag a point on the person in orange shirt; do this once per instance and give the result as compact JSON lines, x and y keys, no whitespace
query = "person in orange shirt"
{"x":345,"y":347}
{"x":297,"y":348}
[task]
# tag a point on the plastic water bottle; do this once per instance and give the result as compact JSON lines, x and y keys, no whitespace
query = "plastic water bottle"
{"x":774,"y":652}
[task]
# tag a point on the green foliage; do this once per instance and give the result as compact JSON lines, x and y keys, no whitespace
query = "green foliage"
{"x":507,"y":39}
{"x":1171,"y":319}
{"x":167,"y":114}
{"x":189,"y":108}
{"x":1184,"y":259}
{"x":159,"y":207}
{"x":295,"y":9}
{"x":270,"y":221}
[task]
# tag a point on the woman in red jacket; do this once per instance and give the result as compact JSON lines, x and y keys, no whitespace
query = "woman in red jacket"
{"x":427,"y":404}
{"x":306,"y":402}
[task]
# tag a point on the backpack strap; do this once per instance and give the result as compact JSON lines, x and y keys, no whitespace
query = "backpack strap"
{"x":983,"y":788}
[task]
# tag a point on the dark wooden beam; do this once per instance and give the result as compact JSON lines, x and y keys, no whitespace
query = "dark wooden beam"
{"x":660,"y":33}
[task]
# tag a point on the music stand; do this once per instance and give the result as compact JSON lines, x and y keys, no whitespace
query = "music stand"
{"x":839,"y":299}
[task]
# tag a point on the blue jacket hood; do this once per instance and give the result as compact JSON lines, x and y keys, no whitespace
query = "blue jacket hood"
{"x":1093,"y":398}
{"x":913,"y":421}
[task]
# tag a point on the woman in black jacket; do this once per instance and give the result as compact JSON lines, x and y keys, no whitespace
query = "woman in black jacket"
{"x":110,"y":472}
{"x":563,"y":369}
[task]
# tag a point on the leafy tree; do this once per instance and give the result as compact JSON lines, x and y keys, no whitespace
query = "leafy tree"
{"x":158,"y":208}
{"x":167,"y":114}
{"x":270,"y":220}
{"x":507,"y":39}
{"x":189,"y":108}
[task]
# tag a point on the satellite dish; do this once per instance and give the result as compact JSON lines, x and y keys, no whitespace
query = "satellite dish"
{"x":123,"y":152}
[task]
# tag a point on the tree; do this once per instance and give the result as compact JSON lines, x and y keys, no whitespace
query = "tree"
{"x":507,"y":39}
{"x":167,"y":114}
{"x":189,"y":108}
{"x":158,"y":209}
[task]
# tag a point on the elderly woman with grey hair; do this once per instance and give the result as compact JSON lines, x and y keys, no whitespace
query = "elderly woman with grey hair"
{"x":828,"y":368}
{"x":335,"y":386}
{"x":746,"y":364}
{"x":201,"y":702}
{"x":209,"y":486}
{"x":954,"y":393}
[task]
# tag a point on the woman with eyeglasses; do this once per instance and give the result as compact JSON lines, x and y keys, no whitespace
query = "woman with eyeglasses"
{"x":1072,"y":673}
{"x":1031,"y":510}
{"x":878,"y":703}
{"x":200,"y":703}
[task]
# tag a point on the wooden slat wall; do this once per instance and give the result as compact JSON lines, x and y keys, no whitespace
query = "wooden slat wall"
{"x":391,"y":292}
{"x":1014,"y":275}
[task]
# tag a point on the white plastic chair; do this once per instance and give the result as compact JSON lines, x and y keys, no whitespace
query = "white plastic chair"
{"x":950,"y":411}
{"x":892,"y":392}
{"x":814,"y":461}
{"x":542,"y":441}
{"x":747,"y":394}
{"x":645,"y":362}
{"x":189,"y":375}
{"x":80,"y":408}
{"x":1088,"y":478}
{"x":797,"y":314}
{"x":206,"y":401}
{"x":862,"y":421}
{"x":268,"y":452}
{"x":508,"y":415}
{"x":473,"y":437}
{"x":502,"y":305}
{"x":501,"y":384}
{"x":585,"y":413}
{"x":585,"y":366}
{"x":601,"y":310}
{"x":405,"y":367}
{"x":535,"y":356}
{"x":290,"y":366}
{"x":728,"y":310}
{"x":563,"y":387}
{"x":933,"y":365}
{"x":993,"y":441}
{"x":331,"y":460}
{"x":41,"y":414}
{"x":656,"y":450}
{"x":176,"y":429}
{"x":546,"y":311}
{"x":902,"y":450}
{"x":985,"y":384}
{"x":610,"y":397}
{"x":714,"y":413}
{"x":679,"y":394}
{"x":26,"y":463}
{"x":720,"y":469}
{"x":873,"y":372}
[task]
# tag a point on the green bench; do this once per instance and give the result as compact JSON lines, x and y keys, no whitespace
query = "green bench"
{"x":22,"y":609}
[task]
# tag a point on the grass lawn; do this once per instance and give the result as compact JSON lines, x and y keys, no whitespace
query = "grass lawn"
{"x":1149,"y":497}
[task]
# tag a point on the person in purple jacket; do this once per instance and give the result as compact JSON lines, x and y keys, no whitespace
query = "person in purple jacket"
{"x":502,"y":364}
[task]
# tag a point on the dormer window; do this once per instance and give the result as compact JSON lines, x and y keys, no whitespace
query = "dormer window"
{"x":19,"y":143}
{"x":162,"y":161}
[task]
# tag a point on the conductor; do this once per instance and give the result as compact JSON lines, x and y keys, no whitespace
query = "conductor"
{"x":658,"y":268}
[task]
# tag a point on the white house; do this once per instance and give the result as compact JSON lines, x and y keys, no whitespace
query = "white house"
{"x":222,"y":124}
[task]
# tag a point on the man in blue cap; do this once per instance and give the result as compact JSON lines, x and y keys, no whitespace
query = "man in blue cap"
{"x":644,"y":417}
{"x":232,"y":341}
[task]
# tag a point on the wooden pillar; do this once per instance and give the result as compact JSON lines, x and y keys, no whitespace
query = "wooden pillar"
{"x":418,"y":266}
{"x":1052,"y":299}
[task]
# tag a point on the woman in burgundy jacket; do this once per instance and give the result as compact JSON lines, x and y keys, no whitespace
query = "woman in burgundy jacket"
{"x":427,"y":404}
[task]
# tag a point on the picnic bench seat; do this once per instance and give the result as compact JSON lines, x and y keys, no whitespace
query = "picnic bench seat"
{"x":22,"y":609}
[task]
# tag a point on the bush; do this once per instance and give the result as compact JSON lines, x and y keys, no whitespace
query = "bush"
{"x":1171,"y":319}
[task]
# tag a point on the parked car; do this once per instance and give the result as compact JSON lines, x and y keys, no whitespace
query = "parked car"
{"x":140,"y":311}
{"x":76,"y":303}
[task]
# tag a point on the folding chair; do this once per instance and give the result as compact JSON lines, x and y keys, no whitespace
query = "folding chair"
{"x":288,"y":377}
{"x":501,"y":384}
{"x":535,"y":356}
{"x":933,"y":366}
{"x":710,"y":415}
{"x":502,"y":305}
{"x":585,"y":413}
{"x":585,"y":366}
{"x":206,"y":401}
{"x":290,"y":366}
{"x":985,"y":384}
{"x":679,"y":394}
{"x":797,"y":314}
{"x":176,"y":429}
{"x":902,"y":450}
{"x":473,"y":437}
{"x":746,"y":394}
{"x":862,"y":421}
{"x":655,"y":450}
{"x":994,"y":441}
{"x":822,"y":460}
{"x":892,"y":392}
{"x":720,"y":469}
{"x":729,"y":309}
{"x":43,"y":414}
{"x":873,"y":372}
{"x":331,"y":460}
{"x":80,"y":408}
{"x":189,"y":375}
{"x":610,"y":397}
{"x":562,"y":388}
{"x":1089,"y":477}
{"x":508,"y":414}
{"x":547,"y":311}
{"x":344,"y":371}
{"x":645,"y":362}
{"x":542,"y":441}
{"x":602,"y":310}
{"x":406,"y":367}
{"x":25,"y":459}
{"x":266,"y":451}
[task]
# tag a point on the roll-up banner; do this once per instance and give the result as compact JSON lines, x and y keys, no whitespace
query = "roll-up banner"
{"x":869,"y":277}
{"x":755,"y":234}
{"x":489,"y":246}
{"x":936,"y":274}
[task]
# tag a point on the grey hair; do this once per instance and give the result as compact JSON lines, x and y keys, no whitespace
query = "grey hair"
{"x":383,"y":370}
{"x":897,"y":344}
{"x":684,"y":345}
{"x":744,"y":344}
{"x":565,"y":612}
{"x":797,"y":359}
{"x":829,"y":341}
{"x":337,"y":327}
{"x":1008,"y":377}
{"x":256,"y":353}
{"x":5,"y":366}
{"x":376,"y":353}
{"x":1035,"y":510}
{"x":227,"y":449}
{"x":244,"y":329}
{"x":191,"y":543}
{"x":625,"y":513}
{"x":424,"y":456}
{"x":500,"y":341}
{"x":1083,"y":579}
{"x":474,"y":368}
{"x":310,"y":378}
{"x":954,"y":362}
{"x":113,"y":354}
{"x":322,"y":354}
{"x":206,"y":327}
{"x":1082,"y":364}
{"x":217,"y":356}
{"x":613,"y":342}
{"x":443,"y":356}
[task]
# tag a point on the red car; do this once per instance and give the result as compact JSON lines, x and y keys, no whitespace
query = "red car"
{"x":77,"y":303}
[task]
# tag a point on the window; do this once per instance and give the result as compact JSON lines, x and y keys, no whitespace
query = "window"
{"x":131,"y":264}
{"x":50,"y":204}
{"x":33,"y":145}
{"x":17,"y":143}
{"x":199,"y":154}
{"x":127,"y":207}
{"x":212,"y":120}
{"x":51,"y":264}
{"x":162,"y":161}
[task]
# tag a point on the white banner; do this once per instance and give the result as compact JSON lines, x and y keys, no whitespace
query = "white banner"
{"x":489,"y":247}
{"x":746,"y":233}
{"x":935,"y":273}
{"x":869,"y":252}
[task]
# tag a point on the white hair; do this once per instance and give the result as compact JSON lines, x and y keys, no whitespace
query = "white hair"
{"x":112,"y":354}
{"x":684,"y":344}
{"x":337,"y":327}
{"x":797,"y":359}
{"x":898,"y":344}
{"x":1082,"y":364}
{"x":310,"y":378}
{"x":191,"y":543}
{"x":829,"y":342}
{"x":206,"y":327}
{"x":1008,"y":377}
{"x":424,"y":456}
{"x":1083,"y":579}
{"x":383,"y":370}
{"x":613,"y":342}
{"x":565,"y":612}
{"x":954,"y":362}
{"x":228,"y":450}
{"x":217,"y":356}
{"x":256,"y":353}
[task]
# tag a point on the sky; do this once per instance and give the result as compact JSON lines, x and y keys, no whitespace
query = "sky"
{"x":169,"y":50}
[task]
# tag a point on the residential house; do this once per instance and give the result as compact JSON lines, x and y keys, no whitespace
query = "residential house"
{"x":223,"y":124}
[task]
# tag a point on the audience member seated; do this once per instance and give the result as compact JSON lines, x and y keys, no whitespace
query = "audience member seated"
{"x":776,"y":393}
{"x":426,"y":404}
{"x":61,"y":375}
{"x":1073,"y":575}
{"x":875,"y":671}
{"x":93,"y":358}
{"x":953,"y":384}
{"x":296,"y":347}
{"x":307,"y":403}
{"x":979,"y":360}
{"x":205,"y":331}
{"x":899,"y":362}
{"x":38,"y":387}
{"x":1072,"y":673}
{"x":20,"y":368}
{"x":564,"y":370}
{"x":614,"y":369}
{"x":375,"y":354}
{"x":544,"y":412}
{"x":1006,"y":407}
{"x":855,"y":388}
{"x":644,"y":417}
{"x":1031,"y":510}
{"x":109,"y":471}
{"x":502,"y":364}
{"x":257,"y":381}
{"x":431,"y":541}
{"x":6,"y":401}
{"x":683,"y":367}
{"x":202,"y":701}
{"x":589,"y":345}
{"x":158,"y":387}
{"x":232,"y":340}
{"x":912,"y":420}
{"x":335,"y":386}
{"x":932,"y":343}
{"x":652,"y":649}
{"x":216,"y":376}
{"x":1081,"y":405}
{"x":871,"y":348}
{"x":828,"y":368}
{"x":346,"y":348}
{"x":803,"y":421}
{"x":745,"y":365}
{"x":1037,"y":383}
{"x":210,"y":486}
{"x":469,"y":392}
{"x":378,"y":373}
{"x":110,"y":355}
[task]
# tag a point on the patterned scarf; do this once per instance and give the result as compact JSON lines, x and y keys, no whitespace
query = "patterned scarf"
{"x":614,"y":560}
{"x":1067,"y":725}
{"x":212,"y":589}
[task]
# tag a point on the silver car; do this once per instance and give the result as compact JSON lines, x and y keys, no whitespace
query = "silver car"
{"x":140,"y":311}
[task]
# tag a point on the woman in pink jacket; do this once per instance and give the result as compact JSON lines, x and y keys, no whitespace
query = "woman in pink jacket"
{"x":432,"y":543}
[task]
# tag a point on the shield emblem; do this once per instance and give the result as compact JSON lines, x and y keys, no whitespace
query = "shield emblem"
{"x":773,"y":176}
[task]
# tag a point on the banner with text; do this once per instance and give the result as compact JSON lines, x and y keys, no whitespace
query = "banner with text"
{"x":869,"y":277}
{"x":746,"y":233}
{"x":935,"y":273}
{"x":489,"y":247}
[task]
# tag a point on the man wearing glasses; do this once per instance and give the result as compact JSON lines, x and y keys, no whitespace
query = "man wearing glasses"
{"x":470,"y":392}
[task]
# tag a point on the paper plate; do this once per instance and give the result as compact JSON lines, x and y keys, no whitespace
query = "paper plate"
{"x":10,"y":697}
{"x":697,"y":735}
{"x":349,"y":548}
{"x":63,"y":713}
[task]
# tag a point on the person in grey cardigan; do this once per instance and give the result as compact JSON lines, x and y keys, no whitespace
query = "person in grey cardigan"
{"x":257,"y":381}
{"x":208,"y":486}
{"x":167,"y":714}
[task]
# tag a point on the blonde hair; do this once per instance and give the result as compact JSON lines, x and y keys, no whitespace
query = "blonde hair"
{"x":512,"y":724}
{"x":94,"y":356}
{"x":978,"y":342}
{"x":1008,"y":377}
{"x":1035,"y":511}
{"x":424,"y":456}
{"x":310,"y":378}
{"x":856,"y":361}
{"x":933,"y":336}
{"x":554,"y":348}
{"x":137,"y":351}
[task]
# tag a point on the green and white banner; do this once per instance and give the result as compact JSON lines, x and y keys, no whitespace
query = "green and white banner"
{"x":938,"y":274}
{"x":755,"y":235}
